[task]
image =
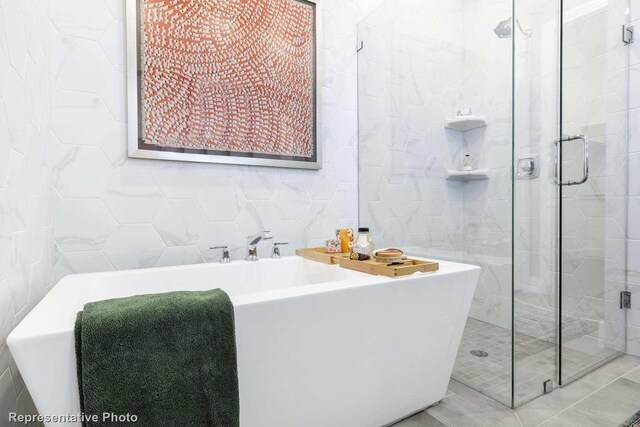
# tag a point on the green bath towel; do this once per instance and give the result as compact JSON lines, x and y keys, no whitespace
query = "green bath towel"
{"x":167,"y":359}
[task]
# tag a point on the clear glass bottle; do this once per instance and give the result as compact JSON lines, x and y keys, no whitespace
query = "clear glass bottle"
{"x":364,"y":244}
{"x":467,"y":163}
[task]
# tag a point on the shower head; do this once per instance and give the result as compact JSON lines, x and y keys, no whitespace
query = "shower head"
{"x":503,"y":30}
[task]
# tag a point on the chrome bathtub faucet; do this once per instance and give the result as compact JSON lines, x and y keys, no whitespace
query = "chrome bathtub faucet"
{"x":252,"y":244}
{"x":226,"y":257}
{"x":276,"y":250}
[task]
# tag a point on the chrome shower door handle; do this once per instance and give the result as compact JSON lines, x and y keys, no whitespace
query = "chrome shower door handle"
{"x":585,"y":166}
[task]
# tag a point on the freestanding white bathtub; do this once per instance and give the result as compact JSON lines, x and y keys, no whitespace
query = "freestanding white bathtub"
{"x":318,"y":345}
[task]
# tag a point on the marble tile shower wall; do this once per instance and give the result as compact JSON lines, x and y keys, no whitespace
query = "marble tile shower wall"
{"x":115,"y":213}
{"x":26,"y":242}
{"x":633,"y":237}
{"x":422,"y":63}
{"x":411,"y":77}
{"x":402,"y":188}
{"x":488,"y":204}
{"x":535,"y":128}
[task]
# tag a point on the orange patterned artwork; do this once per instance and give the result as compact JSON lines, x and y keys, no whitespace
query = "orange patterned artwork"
{"x":228,"y":77}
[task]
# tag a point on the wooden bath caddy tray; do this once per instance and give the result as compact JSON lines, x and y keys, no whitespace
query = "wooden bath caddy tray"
{"x":405,"y":268}
{"x":319,"y":255}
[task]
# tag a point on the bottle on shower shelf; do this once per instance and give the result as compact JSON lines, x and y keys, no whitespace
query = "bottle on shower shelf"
{"x":467,"y":163}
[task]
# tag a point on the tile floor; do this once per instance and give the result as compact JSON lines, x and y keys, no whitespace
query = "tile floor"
{"x":535,"y":362}
{"x":492,"y":374}
{"x":604,"y":398}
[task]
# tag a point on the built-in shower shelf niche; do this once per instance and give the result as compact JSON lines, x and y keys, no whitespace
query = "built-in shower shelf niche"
{"x":474,"y":175}
{"x":466,"y":123}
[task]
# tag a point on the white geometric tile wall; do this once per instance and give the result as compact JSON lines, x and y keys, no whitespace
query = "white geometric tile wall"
{"x":421,"y":63}
{"x":536,"y":115}
{"x":26,"y":203}
{"x":117,"y":213}
{"x":404,"y":148}
{"x":488,"y":204}
{"x":65,"y":60}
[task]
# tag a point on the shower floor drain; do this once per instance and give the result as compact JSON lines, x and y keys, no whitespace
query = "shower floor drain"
{"x":479,"y":353}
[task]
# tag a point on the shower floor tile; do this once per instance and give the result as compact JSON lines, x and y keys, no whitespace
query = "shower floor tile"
{"x":535,"y":362}
{"x":492,"y":374}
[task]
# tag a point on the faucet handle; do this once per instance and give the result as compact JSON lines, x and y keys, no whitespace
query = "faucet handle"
{"x":226,"y":257}
{"x":276,"y":249}
{"x":257,"y":238}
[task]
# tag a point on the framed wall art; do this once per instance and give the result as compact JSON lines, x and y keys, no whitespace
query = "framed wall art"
{"x":224,"y":81}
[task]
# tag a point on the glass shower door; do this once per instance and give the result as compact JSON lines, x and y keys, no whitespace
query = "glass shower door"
{"x":591,"y":173}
